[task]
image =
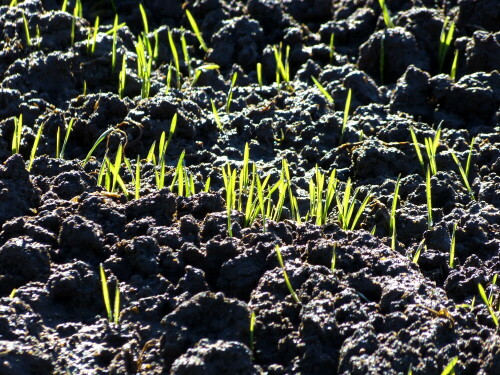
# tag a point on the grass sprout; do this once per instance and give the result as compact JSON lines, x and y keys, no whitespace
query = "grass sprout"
{"x":113,"y":47}
{"x":216,"y":116}
{"x":445,"y":40}
{"x":35,"y":146}
{"x":421,"y":246}
{"x":285,"y":275}
{"x":333,"y":265}
{"x":252,"y":331}
{"x":196,"y":30}
{"x":77,"y":13}
{"x":488,"y":304}
{"x":94,"y":36}
{"x":66,"y":137}
{"x":319,"y":207}
{"x":428,"y":194}
{"x":431,"y":145}
{"x":332,"y":47}
{"x":162,"y":152}
{"x":453,"y":71}
{"x":450,"y":367}
{"x":417,"y":147}
{"x":201,"y":69}
{"x":392,"y":220}
{"x":230,"y":93}
{"x":346,"y":114}
{"x":347,"y":205}
{"x":97,"y":143}
{"x":259,"y":74}
{"x":282,"y":68}
{"x":229,"y":177}
{"x":386,"y":14}
{"x":122,"y":77}
{"x":452,"y":246}
{"x":26,"y":30}
{"x":16,"y":137}
{"x":175,"y":55}
{"x":322,"y":89}
{"x":113,"y":315}
{"x":465,"y":173}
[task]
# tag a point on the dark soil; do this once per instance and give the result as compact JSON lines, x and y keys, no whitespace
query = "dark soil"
{"x":187,"y":288}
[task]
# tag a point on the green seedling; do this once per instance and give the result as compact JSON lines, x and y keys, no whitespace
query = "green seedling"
{"x":392,"y":220}
{"x":113,"y":315}
{"x":94,"y":36}
{"x":282,"y":68}
{"x":26,"y":30}
{"x":38,"y":37}
{"x":175,"y":55}
{"x":294,"y":207}
{"x":122,"y":77}
{"x":285,"y":275}
{"x":206,"y":188}
{"x":346,"y":114}
{"x":332,"y":47}
{"x":431,"y":146}
{"x":465,"y":173}
{"x":187,"y":59}
{"x":445,"y":40}
{"x":162,"y":152}
{"x":387,"y":15}
{"x":84,"y":88}
{"x":486,"y":301}
{"x":18,"y":131}
{"x":428,"y":194}
{"x":77,"y":13}
{"x":322,"y":90}
{"x":169,"y":78}
{"x":13,"y":293}
{"x":66,"y":137}
{"x":229,"y":178}
{"x":64,"y":6}
{"x":196,"y":30}
{"x":13,"y":3}
{"x":334,"y":258}
{"x":453,"y":71}
{"x":35,"y":146}
{"x":113,"y":48}
{"x":319,"y":207}
{"x":216,"y":116}
{"x":144,"y":66}
{"x":97,"y":143}
{"x":347,"y":205}
{"x":450,"y":367}
{"x":421,"y":246}
{"x":252,"y":331}
{"x":452,"y":246}
{"x":230,"y":92}
{"x":201,"y":69}
{"x":259,"y":74}
{"x":417,"y":148}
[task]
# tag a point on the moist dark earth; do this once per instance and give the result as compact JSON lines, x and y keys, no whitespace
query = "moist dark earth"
{"x":187,"y":287}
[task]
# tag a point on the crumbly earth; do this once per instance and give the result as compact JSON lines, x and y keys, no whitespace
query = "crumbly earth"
{"x":187,"y":288}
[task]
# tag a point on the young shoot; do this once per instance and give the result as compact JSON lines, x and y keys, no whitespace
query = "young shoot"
{"x":487,"y":302}
{"x":26,"y":30}
{"x":175,"y":55}
{"x":230,"y":93}
{"x":453,"y":71}
{"x":259,"y":74}
{"x":452,"y":246}
{"x":196,"y":30}
{"x":346,"y":114}
{"x":77,"y":13}
{"x":97,"y":143}
{"x":386,"y":14}
{"x":216,"y":116}
{"x":18,"y":131}
{"x":285,"y":275}
{"x":332,"y":47}
{"x":445,"y":40}
{"x":113,"y":315}
{"x":35,"y":146}
{"x":66,"y":137}
{"x":428,"y":194}
{"x":322,"y":90}
{"x":113,"y":48}
{"x":122,"y":77}
{"x":392,"y":220}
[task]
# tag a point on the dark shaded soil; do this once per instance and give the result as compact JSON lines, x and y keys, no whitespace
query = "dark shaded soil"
{"x":187,"y":288}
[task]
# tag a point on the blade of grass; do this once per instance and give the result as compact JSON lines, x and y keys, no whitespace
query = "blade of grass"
{"x":97,"y":143}
{"x":105,"y":293}
{"x":452,"y":246}
{"x":35,"y":146}
{"x":196,"y":30}
{"x":66,"y":137}
{"x":322,"y":89}
{"x":346,"y":114}
{"x":285,"y":275}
